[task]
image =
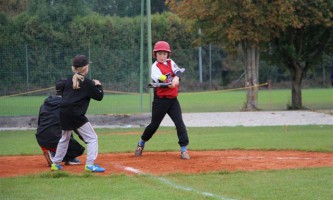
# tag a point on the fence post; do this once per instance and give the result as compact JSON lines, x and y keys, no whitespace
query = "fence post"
{"x":90,"y":69}
{"x":141,"y":54}
{"x":210,"y":66}
{"x":200,"y":59}
{"x":150,"y":56}
{"x":27,"y":66}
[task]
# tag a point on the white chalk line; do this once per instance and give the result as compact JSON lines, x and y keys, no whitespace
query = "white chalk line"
{"x":170,"y":183}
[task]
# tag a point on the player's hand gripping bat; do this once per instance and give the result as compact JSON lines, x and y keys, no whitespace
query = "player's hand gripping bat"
{"x":162,"y":85}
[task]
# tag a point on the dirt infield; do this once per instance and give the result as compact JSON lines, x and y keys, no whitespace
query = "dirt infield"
{"x":201,"y":161}
{"x":161,"y":163}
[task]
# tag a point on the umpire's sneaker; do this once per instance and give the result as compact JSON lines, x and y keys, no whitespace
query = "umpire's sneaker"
{"x":73,"y":161}
{"x":56,"y":167}
{"x":138,"y":150}
{"x":94,"y":168}
{"x":184,"y":155}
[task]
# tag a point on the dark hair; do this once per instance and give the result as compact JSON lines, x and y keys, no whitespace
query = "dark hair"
{"x":60,"y":86}
{"x":80,"y":61}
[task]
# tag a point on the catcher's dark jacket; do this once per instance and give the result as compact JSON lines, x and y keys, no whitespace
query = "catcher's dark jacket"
{"x":75,"y":103}
{"x":49,"y":129}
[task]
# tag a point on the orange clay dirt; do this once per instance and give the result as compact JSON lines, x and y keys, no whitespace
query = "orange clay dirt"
{"x":161,"y":163}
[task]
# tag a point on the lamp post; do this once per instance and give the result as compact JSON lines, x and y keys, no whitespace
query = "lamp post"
{"x":200,"y":58}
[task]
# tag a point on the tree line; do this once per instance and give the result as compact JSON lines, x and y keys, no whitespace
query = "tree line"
{"x":296,"y":34}
{"x":43,"y":37}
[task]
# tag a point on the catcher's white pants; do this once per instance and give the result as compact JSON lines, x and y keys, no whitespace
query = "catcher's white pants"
{"x":89,"y":136}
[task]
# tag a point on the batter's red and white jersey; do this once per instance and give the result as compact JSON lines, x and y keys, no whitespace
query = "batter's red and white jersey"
{"x":169,"y":69}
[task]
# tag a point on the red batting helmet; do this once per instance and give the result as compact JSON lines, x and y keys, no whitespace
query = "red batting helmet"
{"x":161,"y":46}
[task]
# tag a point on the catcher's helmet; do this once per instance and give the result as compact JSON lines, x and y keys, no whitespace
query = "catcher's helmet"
{"x":161,"y":46}
{"x":60,"y":86}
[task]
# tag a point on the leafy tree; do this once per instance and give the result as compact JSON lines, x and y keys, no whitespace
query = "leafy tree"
{"x":13,"y":7}
{"x":239,"y":25}
{"x":301,"y":29}
{"x":37,"y":45}
{"x":39,"y":37}
{"x":125,"y":8}
{"x":302,"y":46}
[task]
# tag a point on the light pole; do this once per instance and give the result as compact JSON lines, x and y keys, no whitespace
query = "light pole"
{"x":200,"y":59}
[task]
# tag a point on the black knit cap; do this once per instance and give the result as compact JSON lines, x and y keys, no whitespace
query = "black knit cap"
{"x":60,"y":86}
{"x":80,"y":61}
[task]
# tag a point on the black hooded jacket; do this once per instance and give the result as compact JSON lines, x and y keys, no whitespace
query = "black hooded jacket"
{"x":49,"y":128}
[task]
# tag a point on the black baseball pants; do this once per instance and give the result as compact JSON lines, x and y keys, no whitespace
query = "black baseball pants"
{"x":161,"y":107}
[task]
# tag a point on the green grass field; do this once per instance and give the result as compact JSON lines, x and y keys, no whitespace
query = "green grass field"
{"x":210,"y":101}
{"x":293,"y":184}
{"x":304,"y":138}
{"x":301,"y":184}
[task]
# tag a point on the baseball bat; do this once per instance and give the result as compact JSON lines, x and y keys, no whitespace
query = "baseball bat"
{"x":156,"y":85}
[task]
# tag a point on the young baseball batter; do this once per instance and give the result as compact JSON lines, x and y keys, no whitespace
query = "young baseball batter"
{"x":165,"y":70}
{"x":76,"y":97}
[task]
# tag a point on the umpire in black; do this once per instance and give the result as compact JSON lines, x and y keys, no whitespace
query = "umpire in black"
{"x":49,"y":129}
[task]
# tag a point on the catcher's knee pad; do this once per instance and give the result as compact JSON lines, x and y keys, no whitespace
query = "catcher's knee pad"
{"x":48,"y":157}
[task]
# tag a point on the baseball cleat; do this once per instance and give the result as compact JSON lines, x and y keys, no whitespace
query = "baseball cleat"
{"x":138,"y":150}
{"x":184,"y":155}
{"x":56,"y":167}
{"x":94,"y":168}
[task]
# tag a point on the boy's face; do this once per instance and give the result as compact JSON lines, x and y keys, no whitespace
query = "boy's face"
{"x":161,"y":56}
